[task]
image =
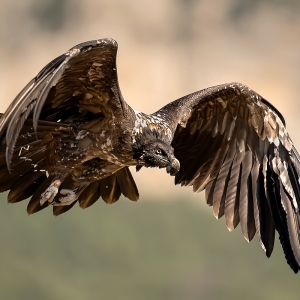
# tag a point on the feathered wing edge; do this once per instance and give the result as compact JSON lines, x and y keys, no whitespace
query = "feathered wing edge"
{"x":241,"y":154}
{"x":32,"y":98}
{"x":37,"y":89}
{"x":261,"y":197}
{"x":24,"y":146}
{"x":283,"y":180}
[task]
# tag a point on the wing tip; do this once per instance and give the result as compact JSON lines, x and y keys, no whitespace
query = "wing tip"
{"x":95,"y":43}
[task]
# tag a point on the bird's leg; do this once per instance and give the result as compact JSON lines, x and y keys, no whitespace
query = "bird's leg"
{"x":52,"y":190}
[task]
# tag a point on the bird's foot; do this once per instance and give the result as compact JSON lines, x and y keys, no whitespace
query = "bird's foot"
{"x":69,"y":198}
{"x":50,"y":192}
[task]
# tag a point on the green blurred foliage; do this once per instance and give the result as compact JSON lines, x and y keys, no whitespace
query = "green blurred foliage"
{"x":149,"y":250}
{"x":241,"y":8}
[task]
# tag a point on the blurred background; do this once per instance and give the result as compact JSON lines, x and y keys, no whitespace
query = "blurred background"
{"x":168,"y":245}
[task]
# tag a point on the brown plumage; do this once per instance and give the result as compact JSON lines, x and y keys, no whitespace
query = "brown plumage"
{"x":70,"y":137}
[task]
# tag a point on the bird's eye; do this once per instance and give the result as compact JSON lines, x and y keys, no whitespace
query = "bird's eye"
{"x":161,"y":152}
{"x":158,"y":151}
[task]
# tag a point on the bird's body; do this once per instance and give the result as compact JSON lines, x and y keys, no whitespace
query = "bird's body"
{"x":70,"y":137}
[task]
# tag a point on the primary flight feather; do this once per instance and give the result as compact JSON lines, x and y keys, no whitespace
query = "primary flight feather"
{"x":70,"y":137}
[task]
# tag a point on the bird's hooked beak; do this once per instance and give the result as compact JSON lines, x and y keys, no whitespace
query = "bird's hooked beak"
{"x":174,"y":166}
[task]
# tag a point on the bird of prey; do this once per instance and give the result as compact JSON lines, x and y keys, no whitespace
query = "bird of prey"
{"x":70,"y":137}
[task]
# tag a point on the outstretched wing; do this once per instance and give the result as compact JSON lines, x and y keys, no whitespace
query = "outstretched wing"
{"x":234,"y":144}
{"x":79,"y":85}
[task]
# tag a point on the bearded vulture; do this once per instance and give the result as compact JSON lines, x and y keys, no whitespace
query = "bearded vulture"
{"x":70,"y":137}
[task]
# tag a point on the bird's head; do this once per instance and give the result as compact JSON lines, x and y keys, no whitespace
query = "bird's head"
{"x":154,"y":154}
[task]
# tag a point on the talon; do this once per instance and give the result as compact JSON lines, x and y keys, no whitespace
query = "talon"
{"x":48,"y":195}
{"x":51,"y":191}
